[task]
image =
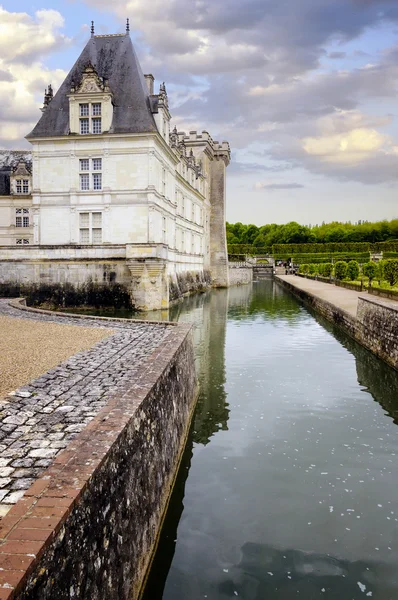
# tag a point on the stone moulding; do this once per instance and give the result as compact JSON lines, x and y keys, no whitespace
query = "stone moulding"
{"x":375,"y":326}
{"x":89,"y":526}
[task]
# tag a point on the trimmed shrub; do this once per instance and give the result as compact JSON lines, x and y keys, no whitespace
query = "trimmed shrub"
{"x":304,"y":269}
{"x":325,"y":269}
{"x":313,"y":269}
{"x":370,"y":270}
{"x":340,"y":270}
{"x":391,"y":271}
{"x":352,"y":270}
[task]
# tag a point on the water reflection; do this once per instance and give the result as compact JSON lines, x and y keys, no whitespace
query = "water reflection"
{"x":268,"y":572}
{"x":291,"y":461}
{"x":375,"y":376}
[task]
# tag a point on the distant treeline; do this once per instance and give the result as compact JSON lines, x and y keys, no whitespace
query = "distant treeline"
{"x":267,"y":236}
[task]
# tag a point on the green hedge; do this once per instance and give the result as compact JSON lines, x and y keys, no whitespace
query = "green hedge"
{"x":321,"y":248}
{"x":325,"y":257}
{"x":248,"y":249}
{"x":281,"y":251}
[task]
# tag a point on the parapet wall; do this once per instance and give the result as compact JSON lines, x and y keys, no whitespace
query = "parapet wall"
{"x":375,"y":327}
{"x":88,"y":527}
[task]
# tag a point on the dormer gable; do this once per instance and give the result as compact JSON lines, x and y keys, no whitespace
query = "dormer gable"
{"x":21,"y":179}
{"x":90,"y":104}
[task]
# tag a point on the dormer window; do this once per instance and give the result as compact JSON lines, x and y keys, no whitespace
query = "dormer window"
{"x":22,"y":186}
{"x":90,"y":119}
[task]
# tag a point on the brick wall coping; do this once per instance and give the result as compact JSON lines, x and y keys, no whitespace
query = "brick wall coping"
{"x":38,"y":517}
{"x":20,"y":304}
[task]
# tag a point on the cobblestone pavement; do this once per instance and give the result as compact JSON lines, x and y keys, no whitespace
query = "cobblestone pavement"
{"x":39,"y":419}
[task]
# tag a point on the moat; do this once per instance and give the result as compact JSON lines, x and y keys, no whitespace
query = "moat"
{"x":287,"y":488}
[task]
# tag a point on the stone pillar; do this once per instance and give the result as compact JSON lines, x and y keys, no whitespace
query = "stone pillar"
{"x":218,"y":239}
{"x":149,"y":284}
{"x":149,"y":279}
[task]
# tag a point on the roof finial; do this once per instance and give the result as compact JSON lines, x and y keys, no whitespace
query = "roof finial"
{"x":92,"y":28}
{"x":128,"y":26}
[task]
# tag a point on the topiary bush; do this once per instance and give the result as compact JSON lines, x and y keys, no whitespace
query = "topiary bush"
{"x":391,"y":271}
{"x":313,"y":269}
{"x":340,"y":269}
{"x":352,"y":270}
{"x":370,"y":270}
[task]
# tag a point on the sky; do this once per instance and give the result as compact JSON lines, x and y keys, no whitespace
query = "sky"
{"x":305,"y":91}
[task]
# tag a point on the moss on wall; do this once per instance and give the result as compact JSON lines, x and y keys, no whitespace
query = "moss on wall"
{"x":67,"y":295}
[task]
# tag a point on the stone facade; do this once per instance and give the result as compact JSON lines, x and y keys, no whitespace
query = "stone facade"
{"x":107,"y":170}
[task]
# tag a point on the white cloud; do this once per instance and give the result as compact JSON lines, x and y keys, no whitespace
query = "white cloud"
{"x":352,"y":147}
{"x":23,"y":78}
{"x":23,"y":36}
{"x":263,"y":185}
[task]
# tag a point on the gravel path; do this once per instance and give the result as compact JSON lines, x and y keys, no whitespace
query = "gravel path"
{"x":28,"y":348}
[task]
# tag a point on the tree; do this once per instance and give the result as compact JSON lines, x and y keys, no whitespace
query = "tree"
{"x":391,"y":271}
{"x":340,"y":269}
{"x":370,"y":270}
{"x":380,"y":271}
{"x":352,"y":270}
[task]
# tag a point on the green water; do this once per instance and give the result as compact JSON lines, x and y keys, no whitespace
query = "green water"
{"x":288,"y":486}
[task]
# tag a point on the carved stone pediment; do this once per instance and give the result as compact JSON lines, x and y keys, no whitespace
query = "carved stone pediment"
{"x":21,"y":169}
{"x":90,"y":82}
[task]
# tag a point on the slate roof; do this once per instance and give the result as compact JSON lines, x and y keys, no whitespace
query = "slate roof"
{"x":5,"y":181}
{"x":114,"y":58}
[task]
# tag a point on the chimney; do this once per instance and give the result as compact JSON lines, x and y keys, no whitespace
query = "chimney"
{"x":150,"y":81}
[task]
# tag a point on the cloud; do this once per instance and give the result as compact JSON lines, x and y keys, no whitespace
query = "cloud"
{"x":353,"y":147}
{"x":260,"y":185}
{"x":337,"y":55}
{"x":23,"y":78}
{"x":23,"y":37}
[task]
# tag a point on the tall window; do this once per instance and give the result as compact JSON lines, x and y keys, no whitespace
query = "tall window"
{"x":90,"y":117}
{"x":90,"y":224}
{"x":90,"y":174}
{"x":22,"y":217}
{"x":164,"y":182}
{"x":193,"y":212}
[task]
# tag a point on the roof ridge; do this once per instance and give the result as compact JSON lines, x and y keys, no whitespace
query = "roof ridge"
{"x":110,"y":35}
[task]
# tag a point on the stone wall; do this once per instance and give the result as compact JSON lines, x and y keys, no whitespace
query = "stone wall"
{"x":240,"y":275}
{"x":378,"y":328}
{"x":98,"y":509}
{"x":375,"y":326}
{"x":391,"y":294}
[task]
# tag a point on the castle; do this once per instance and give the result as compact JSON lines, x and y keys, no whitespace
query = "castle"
{"x":109,"y":192}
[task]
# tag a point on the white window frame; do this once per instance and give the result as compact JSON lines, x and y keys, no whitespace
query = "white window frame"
{"x":22,"y":217}
{"x":91,"y":227}
{"x":90,"y":118}
{"x":92,"y":175}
